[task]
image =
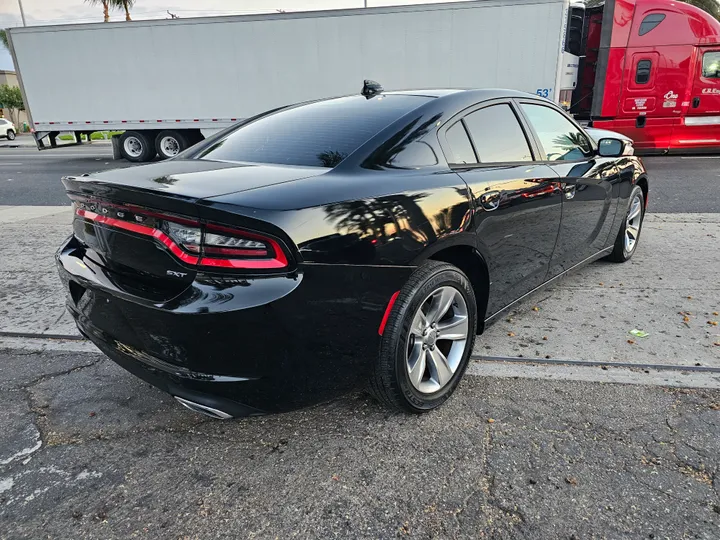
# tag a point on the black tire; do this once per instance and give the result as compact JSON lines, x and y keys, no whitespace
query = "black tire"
{"x":177,"y":140}
{"x":10,"y":135}
{"x":621,"y":252}
{"x":390,"y":382}
{"x":137,"y":146}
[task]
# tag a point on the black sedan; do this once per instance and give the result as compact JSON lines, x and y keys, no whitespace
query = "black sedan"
{"x":348,"y":243}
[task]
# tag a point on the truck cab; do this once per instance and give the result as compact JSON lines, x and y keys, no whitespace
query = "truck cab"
{"x":651,"y":71}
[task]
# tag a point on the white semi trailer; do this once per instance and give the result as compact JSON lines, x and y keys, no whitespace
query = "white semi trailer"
{"x":168,"y":83}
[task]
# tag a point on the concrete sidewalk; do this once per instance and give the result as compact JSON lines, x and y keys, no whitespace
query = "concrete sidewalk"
{"x":675,"y":274}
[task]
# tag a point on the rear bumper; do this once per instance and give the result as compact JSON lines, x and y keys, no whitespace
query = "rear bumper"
{"x":244,"y":346}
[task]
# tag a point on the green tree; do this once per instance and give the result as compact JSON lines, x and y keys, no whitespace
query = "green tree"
{"x":4,"y":38}
{"x":11,"y":99}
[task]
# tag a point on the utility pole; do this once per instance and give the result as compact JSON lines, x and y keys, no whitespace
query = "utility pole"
{"x":22,"y":12}
{"x":365,"y":3}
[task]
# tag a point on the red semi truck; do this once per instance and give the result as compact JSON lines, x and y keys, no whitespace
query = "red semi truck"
{"x":650,"y":70}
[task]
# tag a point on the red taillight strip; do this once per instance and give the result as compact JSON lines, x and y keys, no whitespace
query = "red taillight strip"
{"x":279,"y":261}
{"x":388,"y":309}
{"x":140,"y":229}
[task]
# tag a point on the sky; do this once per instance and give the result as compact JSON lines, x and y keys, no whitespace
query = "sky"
{"x":41,"y":12}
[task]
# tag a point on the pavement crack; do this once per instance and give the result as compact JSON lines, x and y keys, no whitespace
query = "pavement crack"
{"x":47,"y":376}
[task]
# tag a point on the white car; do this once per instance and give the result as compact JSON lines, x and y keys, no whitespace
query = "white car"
{"x":7,"y":129}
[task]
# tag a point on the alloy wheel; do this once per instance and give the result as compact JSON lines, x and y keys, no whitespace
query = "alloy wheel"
{"x":437,"y":339}
{"x":632,"y":224}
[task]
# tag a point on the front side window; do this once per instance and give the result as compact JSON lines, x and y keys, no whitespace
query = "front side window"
{"x":3,"y":122}
{"x":711,"y":65}
{"x":497,"y":135}
{"x":560,"y":139}
{"x":320,"y":134}
{"x":642,"y":73}
{"x":461,"y":149}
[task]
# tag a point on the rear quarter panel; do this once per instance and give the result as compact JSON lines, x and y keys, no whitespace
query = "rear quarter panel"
{"x":370,"y":218}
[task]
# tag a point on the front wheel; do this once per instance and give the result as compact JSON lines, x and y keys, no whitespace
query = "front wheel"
{"x":427,"y":341}
{"x":629,"y":235}
{"x":10,"y":135}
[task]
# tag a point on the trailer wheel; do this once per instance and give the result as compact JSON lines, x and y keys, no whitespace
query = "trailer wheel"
{"x":170,"y":143}
{"x":137,"y":146}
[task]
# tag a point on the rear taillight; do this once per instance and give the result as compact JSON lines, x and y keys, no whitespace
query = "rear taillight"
{"x":193,"y":242}
{"x":187,"y":237}
{"x":227,"y":247}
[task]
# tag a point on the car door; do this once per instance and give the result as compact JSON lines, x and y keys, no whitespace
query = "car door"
{"x":588,"y":183}
{"x":700,"y":127}
{"x":517,"y":202}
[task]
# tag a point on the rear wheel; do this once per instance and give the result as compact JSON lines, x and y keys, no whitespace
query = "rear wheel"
{"x":629,"y":235}
{"x":427,"y":342}
{"x":10,"y":135}
{"x":137,"y":146}
{"x":170,"y":143}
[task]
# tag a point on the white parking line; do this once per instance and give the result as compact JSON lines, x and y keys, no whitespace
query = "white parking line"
{"x":699,"y":157}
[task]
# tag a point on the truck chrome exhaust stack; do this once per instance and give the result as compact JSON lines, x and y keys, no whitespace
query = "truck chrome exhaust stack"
{"x":203,"y":409}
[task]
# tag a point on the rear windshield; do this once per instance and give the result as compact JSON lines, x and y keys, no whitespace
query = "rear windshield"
{"x":319,"y":134}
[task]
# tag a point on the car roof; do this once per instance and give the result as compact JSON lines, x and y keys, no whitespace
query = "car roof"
{"x":481,"y":94}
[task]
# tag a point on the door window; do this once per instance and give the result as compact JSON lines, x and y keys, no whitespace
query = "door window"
{"x":497,"y":135}
{"x":711,"y":65}
{"x":560,"y":138}
{"x":642,"y":73}
{"x":459,"y":145}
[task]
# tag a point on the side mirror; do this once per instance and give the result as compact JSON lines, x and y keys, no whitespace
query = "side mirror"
{"x":608,"y":147}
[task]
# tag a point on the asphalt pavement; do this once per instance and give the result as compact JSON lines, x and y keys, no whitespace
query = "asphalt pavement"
{"x":565,"y":427}
{"x":30,"y":177}
{"x":91,"y":452}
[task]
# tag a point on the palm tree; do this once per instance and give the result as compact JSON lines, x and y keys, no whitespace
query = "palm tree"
{"x":123,"y":4}
{"x":105,"y":5}
{"x":113,"y":4}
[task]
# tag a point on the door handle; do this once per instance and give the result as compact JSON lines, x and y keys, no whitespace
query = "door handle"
{"x":490,"y":201}
{"x":568,"y":191}
{"x":696,"y":102}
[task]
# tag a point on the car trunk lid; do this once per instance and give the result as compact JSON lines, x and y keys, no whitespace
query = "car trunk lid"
{"x":145,"y":224}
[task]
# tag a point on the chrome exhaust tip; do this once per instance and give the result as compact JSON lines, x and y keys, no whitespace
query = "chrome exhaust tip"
{"x":203,"y":409}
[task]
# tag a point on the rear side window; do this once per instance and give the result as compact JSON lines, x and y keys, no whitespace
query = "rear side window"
{"x":642,"y":73}
{"x":711,"y":65}
{"x":561,"y":140}
{"x":497,"y":135}
{"x":650,"y":22}
{"x":459,"y":145}
{"x":319,"y":134}
{"x":3,"y":122}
